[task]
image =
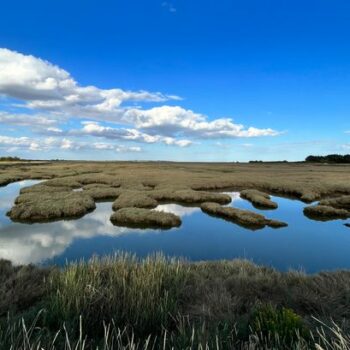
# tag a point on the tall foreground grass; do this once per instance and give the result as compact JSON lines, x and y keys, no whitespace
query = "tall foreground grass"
{"x":20,"y":336}
{"x":141,"y":294}
{"x":121,"y":302}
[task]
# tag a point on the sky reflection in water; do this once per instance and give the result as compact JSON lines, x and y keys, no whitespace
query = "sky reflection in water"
{"x":305,"y":244}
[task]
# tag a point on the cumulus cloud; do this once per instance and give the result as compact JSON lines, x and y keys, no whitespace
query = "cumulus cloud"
{"x":10,"y":143}
{"x":28,"y":143}
{"x":46,"y":86}
{"x":54,"y":97}
{"x":96,"y":129}
{"x":22,"y":119}
{"x":172,"y":120}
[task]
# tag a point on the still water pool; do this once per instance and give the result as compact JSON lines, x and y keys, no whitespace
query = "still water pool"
{"x":304,"y":244}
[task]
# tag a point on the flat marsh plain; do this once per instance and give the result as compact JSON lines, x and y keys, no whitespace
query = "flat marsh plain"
{"x":138,"y":187}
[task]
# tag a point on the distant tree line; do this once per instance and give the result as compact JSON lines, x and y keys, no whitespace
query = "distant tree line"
{"x":9,"y":159}
{"x":330,"y":158}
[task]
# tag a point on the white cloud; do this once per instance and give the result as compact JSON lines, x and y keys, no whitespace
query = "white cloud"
{"x":174,"y":120}
{"x":169,"y":6}
{"x":55,"y":130}
{"x":128,"y":149}
{"x":95,"y":129}
{"x":119,"y":149}
{"x":14,"y":141}
{"x":66,"y":144}
{"x":32,"y":144}
{"x":22,"y":119}
{"x":44,"y":87}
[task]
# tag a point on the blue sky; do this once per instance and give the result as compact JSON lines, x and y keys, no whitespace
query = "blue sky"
{"x":175,"y":80}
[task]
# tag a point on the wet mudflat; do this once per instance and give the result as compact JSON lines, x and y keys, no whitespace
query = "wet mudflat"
{"x":307,"y":244}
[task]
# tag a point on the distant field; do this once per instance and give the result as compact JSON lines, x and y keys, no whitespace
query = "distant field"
{"x":299,"y":179}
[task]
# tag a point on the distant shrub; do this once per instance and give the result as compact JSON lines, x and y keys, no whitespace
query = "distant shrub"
{"x":330,"y":158}
{"x":9,"y":159}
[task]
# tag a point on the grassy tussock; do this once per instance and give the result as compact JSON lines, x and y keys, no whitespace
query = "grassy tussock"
{"x":188,"y":196}
{"x":43,"y":206}
{"x":342,"y":202}
{"x":325,"y":212}
{"x":259,"y":199}
{"x":245,"y":218}
{"x":145,"y":218}
{"x":134,"y":199}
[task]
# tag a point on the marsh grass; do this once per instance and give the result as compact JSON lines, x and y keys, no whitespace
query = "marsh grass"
{"x":259,"y":199}
{"x":141,"y":294}
{"x":245,"y":218}
{"x":21,"y":336}
{"x":137,"y":184}
{"x":46,"y":206}
{"x":145,"y":218}
{"x":122,"y":302}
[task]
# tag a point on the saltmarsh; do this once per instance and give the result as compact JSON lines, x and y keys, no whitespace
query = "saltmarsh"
{"x":146,"y":184}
